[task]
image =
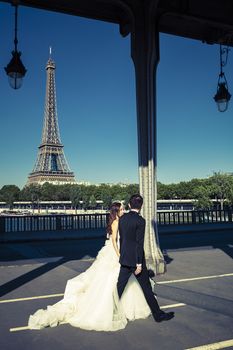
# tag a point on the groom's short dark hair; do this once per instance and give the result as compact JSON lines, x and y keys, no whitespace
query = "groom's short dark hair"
{"x":136,"y":201}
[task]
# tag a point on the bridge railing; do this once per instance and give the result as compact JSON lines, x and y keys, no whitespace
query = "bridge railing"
{"x":194,"y":217}
{"x":94,"y":221}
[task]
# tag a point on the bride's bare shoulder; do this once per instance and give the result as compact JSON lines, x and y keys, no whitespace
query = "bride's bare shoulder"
{"x":115,"y":222}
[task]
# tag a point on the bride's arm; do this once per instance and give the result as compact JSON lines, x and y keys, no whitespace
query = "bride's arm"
{"x":114,"y":236}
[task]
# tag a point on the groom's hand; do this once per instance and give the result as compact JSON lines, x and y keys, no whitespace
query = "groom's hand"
{"x":138,"y":269}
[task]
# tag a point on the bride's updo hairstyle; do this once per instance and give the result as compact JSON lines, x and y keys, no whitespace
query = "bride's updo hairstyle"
{"x":113,"y":213}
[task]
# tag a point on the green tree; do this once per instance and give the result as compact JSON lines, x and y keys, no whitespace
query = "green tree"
{"x":63,"y":192}
{"x":203,"y":200}
{"x":221,"y":186}
{"x":31,"y":193}
{"x":193,"y":184}
{"x":116,"y":191}
{"x":85,"y":201}
{"x":107,"y":200}
{"x":105,"y":195}
{"x":92,"y":202}
{"x":129,"y":190}
{"x":119,"y":196}
{"x":169,"y":191}
{"x":161,"y":190}
{"x":126,"y":200}
{"x":49,"y":192}
{"x":10,"y":194}
{"x":183,"y":190}
{"x":75,"y":196}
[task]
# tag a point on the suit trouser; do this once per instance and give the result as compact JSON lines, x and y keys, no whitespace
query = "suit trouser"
{"x":143,"y":280}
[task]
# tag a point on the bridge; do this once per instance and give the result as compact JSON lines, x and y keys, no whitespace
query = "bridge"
{"x":198,"y":286}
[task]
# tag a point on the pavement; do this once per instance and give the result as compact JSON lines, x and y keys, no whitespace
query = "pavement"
{"x":198,"y":286}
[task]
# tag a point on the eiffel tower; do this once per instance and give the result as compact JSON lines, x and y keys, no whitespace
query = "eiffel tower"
{"x":51,"y":165}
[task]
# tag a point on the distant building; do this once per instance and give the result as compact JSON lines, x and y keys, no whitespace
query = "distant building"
{"x":121,"y":184}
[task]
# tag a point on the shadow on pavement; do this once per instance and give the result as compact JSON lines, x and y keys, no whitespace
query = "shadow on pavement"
{"x":198,"y":299}
{"x":27,"y":277}
{"x":67,"y":250}
{"x":215,"y":239}
{"x":34,"y":253}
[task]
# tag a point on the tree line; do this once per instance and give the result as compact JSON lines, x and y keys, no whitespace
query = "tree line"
{"x":219,"y":187}
{"x":81,"y":196}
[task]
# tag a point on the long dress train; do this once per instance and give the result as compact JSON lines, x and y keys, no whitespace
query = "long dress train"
{"x":91,"y":300}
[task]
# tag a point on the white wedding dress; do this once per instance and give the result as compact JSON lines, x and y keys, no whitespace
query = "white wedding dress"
{"x":91,"y":300}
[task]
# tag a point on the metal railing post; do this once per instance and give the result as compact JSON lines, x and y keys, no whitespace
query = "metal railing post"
{"x":2,"y":224}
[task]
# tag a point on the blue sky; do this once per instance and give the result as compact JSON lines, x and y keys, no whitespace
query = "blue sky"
{"x":97,"y":106}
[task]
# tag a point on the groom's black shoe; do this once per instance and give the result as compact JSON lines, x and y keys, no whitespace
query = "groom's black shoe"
{"x":163,"y":316}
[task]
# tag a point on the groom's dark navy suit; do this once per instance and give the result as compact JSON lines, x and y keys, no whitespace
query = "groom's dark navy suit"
{"x":132,"y":231}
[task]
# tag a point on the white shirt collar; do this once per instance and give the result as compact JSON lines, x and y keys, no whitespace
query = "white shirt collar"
{"x":135,"y":210}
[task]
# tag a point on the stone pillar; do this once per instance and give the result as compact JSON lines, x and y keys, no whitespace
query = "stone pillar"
{"x":145,"y":55}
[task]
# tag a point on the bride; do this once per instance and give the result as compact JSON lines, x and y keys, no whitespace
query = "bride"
{"x":91,"y":300}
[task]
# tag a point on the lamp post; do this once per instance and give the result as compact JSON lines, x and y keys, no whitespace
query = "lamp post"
{"x":222,"y":96}
{"x":15,"y":68}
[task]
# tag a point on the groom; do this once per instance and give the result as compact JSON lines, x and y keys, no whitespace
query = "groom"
{"x":132,"y":260}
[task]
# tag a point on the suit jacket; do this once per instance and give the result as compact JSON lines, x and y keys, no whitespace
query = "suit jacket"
{"x":132,"y":232}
